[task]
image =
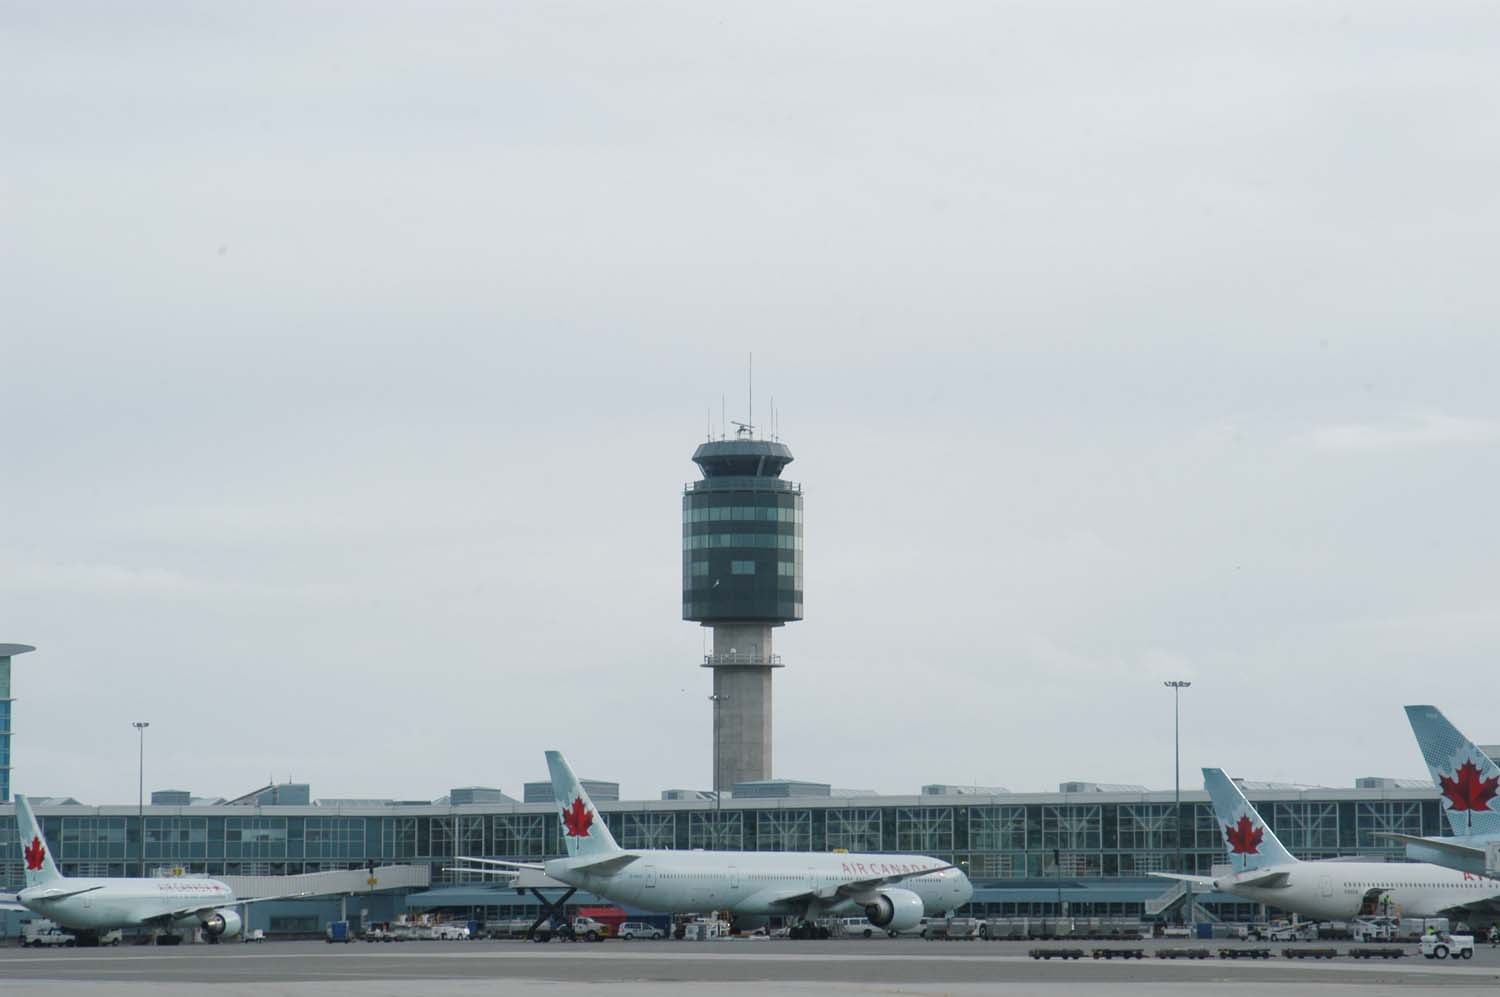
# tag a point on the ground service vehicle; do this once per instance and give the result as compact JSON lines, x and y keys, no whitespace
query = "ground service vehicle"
{"x":338,"y":931}
{"x":1436,"y":946}
{"x":39,"y":934}
{"x":640,"y":929}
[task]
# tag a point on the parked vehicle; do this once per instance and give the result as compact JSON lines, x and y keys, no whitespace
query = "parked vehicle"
{"x":451,"y":932}
{"x":1441,"y":945}
{"x":338,"y":931}
{"x":640,"y":929}
{"x":254,"y":935}
{"x":43,"y":933}
{"x":859,"y":927}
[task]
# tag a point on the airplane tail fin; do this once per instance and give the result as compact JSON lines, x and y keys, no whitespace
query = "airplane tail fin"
{"x":583,"y":829}
{"x":40,"y":869}
{"x":1251,"y":844}
{"x":1466,"y":776}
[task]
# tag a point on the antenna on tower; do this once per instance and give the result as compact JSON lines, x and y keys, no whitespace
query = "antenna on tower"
{"x":750,"y":390}
{"x":773,"y":418}
{"x":723,"y":419}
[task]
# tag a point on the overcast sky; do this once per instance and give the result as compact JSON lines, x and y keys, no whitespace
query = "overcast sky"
{"x":353,"y":356}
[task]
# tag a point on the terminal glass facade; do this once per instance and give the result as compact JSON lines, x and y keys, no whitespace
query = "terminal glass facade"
{"x":1019,"y":854}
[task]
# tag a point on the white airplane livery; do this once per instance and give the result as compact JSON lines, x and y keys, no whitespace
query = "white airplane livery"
{"x":893,"y":891}
{"x":1264,"y":871}
{"x":95,"y":905}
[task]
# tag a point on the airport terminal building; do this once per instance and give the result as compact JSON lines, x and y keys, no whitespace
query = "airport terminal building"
{"x":1087,"y":852}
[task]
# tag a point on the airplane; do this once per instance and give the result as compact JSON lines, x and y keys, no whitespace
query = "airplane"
{"x":1469,"y":781}
{"x":88,"y":906}
{"x":1329,"y":889}
{"x":893,"y":891}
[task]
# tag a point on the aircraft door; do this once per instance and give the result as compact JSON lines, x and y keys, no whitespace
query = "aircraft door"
{"x":734,"y":878}
{"x":650,"y":877}
{"x":1325,"y":886}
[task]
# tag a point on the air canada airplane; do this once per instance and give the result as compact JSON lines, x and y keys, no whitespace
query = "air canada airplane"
{"x":1469,"y":781}
{"x":1331,"y":889}
{"x":89,"y":906}
{"x":893,"y":891}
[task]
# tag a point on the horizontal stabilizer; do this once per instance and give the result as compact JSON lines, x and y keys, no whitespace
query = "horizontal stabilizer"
{"x":479,"y":871}
{"x":1437,"y":844}
{"x":601,"y":865}
{"x":1268,"y":881}
{"x":1206,"y":881}
{"x":503,"y":864}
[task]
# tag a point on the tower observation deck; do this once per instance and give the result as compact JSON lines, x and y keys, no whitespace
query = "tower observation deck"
{"x":742,"y":577}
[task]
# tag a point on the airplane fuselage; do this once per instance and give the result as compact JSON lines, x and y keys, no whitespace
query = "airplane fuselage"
{"x":1337,"y":890}
{"x":123,"y":903}
{"x":763,"y":882}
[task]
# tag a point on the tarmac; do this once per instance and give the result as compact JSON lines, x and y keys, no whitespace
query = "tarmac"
{"x":740,"y":967}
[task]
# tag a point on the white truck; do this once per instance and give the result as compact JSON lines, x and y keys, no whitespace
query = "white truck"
{"x":41,"y":932}
{"x":1441,"y":945}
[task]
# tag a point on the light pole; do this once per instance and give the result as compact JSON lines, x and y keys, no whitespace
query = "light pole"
{"x":140,"y":791}
{"x":1177,"y":685}
{"x":717,"y":698}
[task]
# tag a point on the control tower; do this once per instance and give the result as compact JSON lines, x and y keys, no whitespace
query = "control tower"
{"x":742,"y":577}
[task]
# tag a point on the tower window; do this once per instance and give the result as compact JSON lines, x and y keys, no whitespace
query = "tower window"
{"x":742,"y":567}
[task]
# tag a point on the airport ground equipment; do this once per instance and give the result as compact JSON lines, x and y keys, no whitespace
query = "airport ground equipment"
{"x":1056,"y":953}
{"x":1445,"y":946}
{"x":1194,"y":953}
{"x":1311,"y":952}
{"x":1119,"y":953}
{"x":338,"y":931}
{"x":953,"y":929}
{"x":1244,"y":953}
{"x":1378,"y":952}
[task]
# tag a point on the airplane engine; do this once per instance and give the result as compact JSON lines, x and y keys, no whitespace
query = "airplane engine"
{"x":222,"y":923}
{"x":895,"y":910}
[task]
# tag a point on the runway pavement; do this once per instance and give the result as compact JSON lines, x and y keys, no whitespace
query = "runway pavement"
{"x":313,"y":969}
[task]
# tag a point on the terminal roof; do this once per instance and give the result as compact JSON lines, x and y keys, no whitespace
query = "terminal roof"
{"x":10,"y":650}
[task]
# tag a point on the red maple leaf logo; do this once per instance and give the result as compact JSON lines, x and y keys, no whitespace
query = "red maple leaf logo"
{"x":1244,"y":837}
{"x":35,"y":853}
{"x":1466,"y":791}
{"x":577,"y":819}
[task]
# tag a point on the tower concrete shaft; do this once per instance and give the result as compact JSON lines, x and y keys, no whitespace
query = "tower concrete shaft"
{"x":742,"y":663}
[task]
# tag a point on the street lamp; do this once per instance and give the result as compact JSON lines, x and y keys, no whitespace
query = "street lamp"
{"x":140,"y":791}
{"x":717,"y":698}
{"x":1177,"y":685}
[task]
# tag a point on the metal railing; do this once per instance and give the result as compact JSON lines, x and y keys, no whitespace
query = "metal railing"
{"x":716,"y":660}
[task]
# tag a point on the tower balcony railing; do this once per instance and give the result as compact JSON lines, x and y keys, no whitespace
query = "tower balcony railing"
{"x":743,"y":483}
{"x":741,"y":658}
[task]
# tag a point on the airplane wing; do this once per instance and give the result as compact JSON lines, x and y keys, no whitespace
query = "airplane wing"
{"x":203,"y":908}
{"x":61,"y":894}
{"x":854,"y":888}
{"x":1437,"y":844}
